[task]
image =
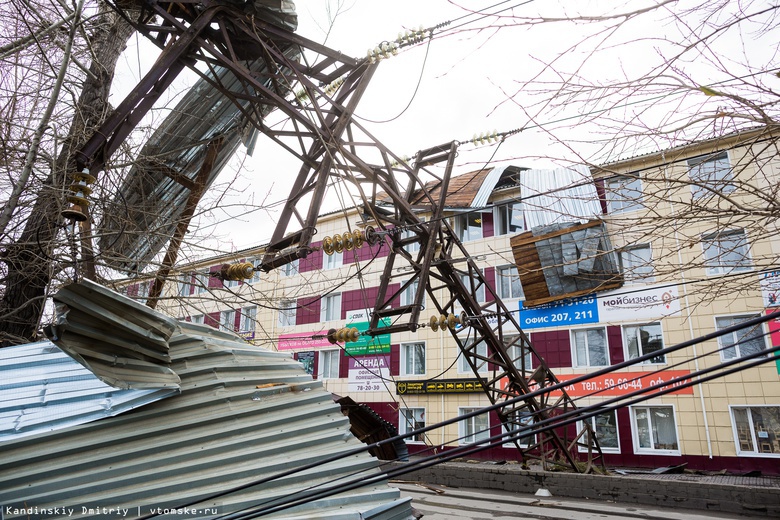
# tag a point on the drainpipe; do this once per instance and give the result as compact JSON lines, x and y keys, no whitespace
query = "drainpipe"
{"x":700,"y":386}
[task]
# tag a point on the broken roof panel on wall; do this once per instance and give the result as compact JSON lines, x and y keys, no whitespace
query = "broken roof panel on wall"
{"x":244,"y":414}
{"x":559,"y":195}
{"x":43,"y":389}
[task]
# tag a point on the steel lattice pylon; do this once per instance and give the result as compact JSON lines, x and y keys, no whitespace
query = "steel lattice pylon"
{"x":318,"y":94}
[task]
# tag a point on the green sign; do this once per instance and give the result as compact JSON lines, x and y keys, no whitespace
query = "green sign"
{"x":367,"y":345}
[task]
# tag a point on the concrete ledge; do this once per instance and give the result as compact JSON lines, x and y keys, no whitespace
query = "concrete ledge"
{"x":679,"y":491}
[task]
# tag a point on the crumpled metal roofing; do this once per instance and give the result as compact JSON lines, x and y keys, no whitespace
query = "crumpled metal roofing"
{"x":243,"y":413}
{"x":43,"y":389}
{"x":559,"y":195}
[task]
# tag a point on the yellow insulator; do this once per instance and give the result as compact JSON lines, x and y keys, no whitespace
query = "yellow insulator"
{"x":349,"y":244}
{"x":239,"y":271}
{"x":327,"y":245}
{"x":338,"y":243}
{"x":352,"y":334}
{"x":451,"y":322}
{"x":332,"y":336}
{"x":442,"y":322}
{"x":357,"y":238}
{"x":434,"y":323}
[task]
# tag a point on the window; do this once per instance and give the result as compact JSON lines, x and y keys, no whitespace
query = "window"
{"x":329,"y":364}
{"x":408,"y":294}
{"x":201,"y":282}
{"x":290,"y":269}
{"x":520,"y":359}
{"x":409,"y":420}
{"x":227,"y":321}
{"x":624,"y":194}
{"x":474,"y":429}
{"x":143,"y":291}
{"x":479,"y":293}
{"x":185,"y":284}
{"x":605,"y":426}
{"x":413,"y":358}
{"x":287,"y":313}
{"x":509,"y":219}
{"x":482,"y":366}
{"x":590,"y":347}
{"x":519,"y":420}
{"x":739,"y":343}
{"x":655,"y":430}
{"x":468,"y":226}
{"x":412,"y":247}
{"x":726,"y":252}
{"x":248,"y":319}
{"x":637,"y":264}
{"x":198,"y":318}
{"x":756,"y":429}
{"x":508,"y":282}
{"x":643,"y":339}
{"x":331,"y":308}
{"x":710,"y":173}
{"x":332,"y":261}
{"x":255,"y":274}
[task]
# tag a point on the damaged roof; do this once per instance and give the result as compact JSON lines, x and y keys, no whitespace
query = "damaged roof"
{"x":242,"y":413}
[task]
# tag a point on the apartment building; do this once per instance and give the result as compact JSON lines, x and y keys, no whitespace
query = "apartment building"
{"x":694,"y":231}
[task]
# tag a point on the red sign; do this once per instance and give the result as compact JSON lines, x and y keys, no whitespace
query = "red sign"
{"x":622,"y":383}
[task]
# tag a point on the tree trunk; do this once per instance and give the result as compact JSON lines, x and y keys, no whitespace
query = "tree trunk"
{"x":29,"y":258}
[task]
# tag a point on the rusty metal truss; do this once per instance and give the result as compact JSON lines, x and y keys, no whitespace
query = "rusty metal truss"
{"x":333,"y":147}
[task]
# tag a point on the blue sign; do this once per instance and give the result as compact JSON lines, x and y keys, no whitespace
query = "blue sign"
{"x":575,"y":311}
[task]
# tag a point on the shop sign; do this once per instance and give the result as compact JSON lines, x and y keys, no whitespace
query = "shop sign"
{"x":439,"y":386}
{"x":774,"y":335}
{"x":770,"y":288}
{"x":622,"y":383}
{"x":648,"y":303}
{"x":365,"y":344}
{"x":368,"y":373}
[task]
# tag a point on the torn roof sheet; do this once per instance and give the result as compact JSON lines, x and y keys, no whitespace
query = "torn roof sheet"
{"x":243,"y":414}
{"x":43,"y":389}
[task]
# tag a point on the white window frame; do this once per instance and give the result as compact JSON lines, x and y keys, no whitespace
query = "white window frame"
{"x":227,"y":320}
{"x":255,"y":274}
{"x":463,"y":366}
{"x":635,"y":431}
{"x":573,"y":340}
{"x":287,"y":313}
{"x":717,"y":178}
{"x":143,"y":291}
{"x":202,"y":281}
{"x":592,"y":421}
{"x":185,"y":284}
{"x":325,"y":369}
{"x":617,"y":194}
{"x":626,"y":353}
{"x":633,"y":270}
{"x":404,"y":426}
{"x":479,"y":426}
{"x":333,"y":261}
{"x":408,"y":294}
{"x":503,"y":215}
{"x":480,"y":295}
{"x":330,"y":307}
{"x":756,"y":333}
{"x":514,"y":352}
{"x":462,"y":228}
{"x":248,"y":319}
{"x":415,"y":369}
{"x":525,"y":419}
{"x":757,"y":443}
{"x":713,"y":251}
{"x":198,"y":318}
{"x":508,"y":274}
{"x":290,"y":269}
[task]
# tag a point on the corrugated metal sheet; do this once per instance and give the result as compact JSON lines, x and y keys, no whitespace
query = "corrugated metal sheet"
{"x":559,"y":195}
{"x":243,"y":413}
{"x":43,"y":389}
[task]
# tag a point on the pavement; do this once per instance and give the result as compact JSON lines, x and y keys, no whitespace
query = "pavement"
{"x":442,"y":503}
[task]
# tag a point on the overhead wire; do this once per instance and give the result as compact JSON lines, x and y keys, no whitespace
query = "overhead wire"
{"x":663,"y":388}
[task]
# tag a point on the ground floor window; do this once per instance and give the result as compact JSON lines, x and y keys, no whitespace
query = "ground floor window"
{"x":409,"y":420}
{"x":329,"y":364}
{"x":473,"y":429}
{"x":605,"y":426}
{"x":655,"y":430}
{"x":757,"y":429}
{"x":519,"y":422}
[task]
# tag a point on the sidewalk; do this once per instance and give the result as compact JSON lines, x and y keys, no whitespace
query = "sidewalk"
{"x":754,"y":496}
